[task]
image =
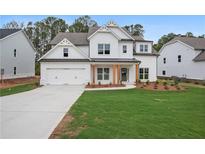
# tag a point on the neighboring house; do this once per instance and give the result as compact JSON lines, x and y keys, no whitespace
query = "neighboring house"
{"x":17,"y":55}
{"x":183,"y":57}
{"x":107,"y":54}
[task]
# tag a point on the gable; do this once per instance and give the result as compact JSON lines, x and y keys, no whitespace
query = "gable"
{"x":57,"y":51}
{"x":120,"y":33}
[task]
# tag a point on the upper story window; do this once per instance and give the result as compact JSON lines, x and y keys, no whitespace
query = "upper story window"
{"x":103,"y":49}
{"x":179,"y":58}
{"x":107,"y":48}
{"x":124,"y":48}
{"x":65,"y":52}
{"x":14,"y":52}
{"x":143,"y":48}
{"x":164,"y":60}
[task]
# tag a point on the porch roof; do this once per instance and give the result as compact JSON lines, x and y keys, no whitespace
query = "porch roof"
{"x":125,"y":60}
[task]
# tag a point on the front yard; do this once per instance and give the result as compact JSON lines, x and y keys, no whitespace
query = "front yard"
{"x":136,"y":113}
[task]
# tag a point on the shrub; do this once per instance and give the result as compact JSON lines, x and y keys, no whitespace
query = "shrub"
{"x":99,"y":83}
{"x":166,"y":87}
{"x":157,"y":82}
{"x":88,"y":84}
{"x":37,"y":68}
{"x":147,"y":82}
{"x":165,"y":83}
{"x":110,"y":83}
{"x":178,"y":88}
{"x":196,"y":82}
{"x":172,"y":84}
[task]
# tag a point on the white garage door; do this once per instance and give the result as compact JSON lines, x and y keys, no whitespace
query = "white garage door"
{"x":59,"y":76}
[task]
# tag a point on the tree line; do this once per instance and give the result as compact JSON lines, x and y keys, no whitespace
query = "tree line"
{"x":42,"y":32}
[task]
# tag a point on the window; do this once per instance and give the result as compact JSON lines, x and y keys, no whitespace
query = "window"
{"x":100,"y":49}
{"x":103,"y":73}
{"x":179,"y":58}
{"x":124,"y":48}
{"x":2,"y":71}
{"x":103,"y":49}
{"x":163,"y":72}
{"x":14,"y":70}
{"x":146,"y":48}
{"x":100,"y":73}
{"x":107,"y":49}
{"x":106,"y":73}
{"x":164,"y":60}
{"x":65,"y":52}
{"x":144,"y":73}
{"x":14,"y":52}
{"x":141,"y":48}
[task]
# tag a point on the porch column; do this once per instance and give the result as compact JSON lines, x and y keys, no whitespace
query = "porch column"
{"x":114,"y":73}
{"x":137,"y":72}
{"x":118,"y":74}
{"x":93,"y":73}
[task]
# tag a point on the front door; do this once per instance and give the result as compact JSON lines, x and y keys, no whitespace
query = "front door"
{"x":124,"y":74}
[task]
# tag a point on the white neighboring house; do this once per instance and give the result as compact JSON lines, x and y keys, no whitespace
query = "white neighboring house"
{"x":17,"y":55}
{"x":183,"y":57}
{"x":107,"y":54}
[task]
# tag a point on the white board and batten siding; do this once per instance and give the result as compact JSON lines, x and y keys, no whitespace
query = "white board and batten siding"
{"x":24,"y":60}
{"x":186,"y":68}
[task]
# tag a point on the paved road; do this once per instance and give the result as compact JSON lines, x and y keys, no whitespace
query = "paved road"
{"x":35,"y":113}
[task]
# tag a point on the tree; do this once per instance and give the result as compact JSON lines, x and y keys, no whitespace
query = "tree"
{"x":189,"y":34}
{"x":13,"y":25}
{"x":82,"y":24}
{"x":163,"y":40}
{"x":201,"y":36}
{"x":136,"y":30}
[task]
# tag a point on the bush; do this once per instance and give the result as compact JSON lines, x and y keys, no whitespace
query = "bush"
{"x":196,"y":82}
{"x":165,"y":83}
{"x":88,"y":84}
{"x":99,"y":83}
{"x":157,"y":82}
{"x":166,"y":87}
{"x":147,"y":82}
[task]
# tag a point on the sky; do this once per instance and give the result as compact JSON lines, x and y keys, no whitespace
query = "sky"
{"x":154,"y":26}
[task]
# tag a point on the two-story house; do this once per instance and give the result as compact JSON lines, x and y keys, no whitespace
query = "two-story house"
{"x":17,"y":55}
{"x":183,"y":57}
{"x":107,"y":54}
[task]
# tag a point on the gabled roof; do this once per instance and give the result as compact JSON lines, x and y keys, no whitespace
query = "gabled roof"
{"x":6,"y":32}
{"x":196,"y":43}
{"x":200,"y":57}
{"x":92,"y":30}
{"x":74,"y":38}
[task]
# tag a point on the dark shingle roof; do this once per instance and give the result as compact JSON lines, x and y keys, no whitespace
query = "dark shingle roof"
{"x":196,"y":43}
{"x":200,"y":57}
{"x":75,"y":38}
{"x":7,"y":32}
{"x":92,"y":30}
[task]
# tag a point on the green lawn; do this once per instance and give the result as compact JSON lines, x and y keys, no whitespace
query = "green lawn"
{"x":17,"y":89}
{"x":138,"y":113}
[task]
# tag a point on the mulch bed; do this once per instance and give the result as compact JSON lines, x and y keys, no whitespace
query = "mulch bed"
{"x":104,"y":85}
{"x":8,"y":83}
{"x":159,"y":87}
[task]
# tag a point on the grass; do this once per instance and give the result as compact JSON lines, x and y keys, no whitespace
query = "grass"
{"x":137,"y":113}
{"x":17,"y":89}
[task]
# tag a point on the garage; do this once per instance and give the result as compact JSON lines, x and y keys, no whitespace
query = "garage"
{"x":61,"y":74}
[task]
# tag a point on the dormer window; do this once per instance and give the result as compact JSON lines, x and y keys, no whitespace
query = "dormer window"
{"x":103,"y":49}
{"x":124,"y":48}
{"x":65,"y":52}
{"x":143,"y":48}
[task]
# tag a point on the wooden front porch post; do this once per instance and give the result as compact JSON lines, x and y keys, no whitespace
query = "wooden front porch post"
{"x":114,"y":73}
{"x":93,"y":73}
{"x":137,"y":72}
{"x":118,"y":74}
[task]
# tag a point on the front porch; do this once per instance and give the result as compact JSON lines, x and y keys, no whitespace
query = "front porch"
{"x":114,"y":74}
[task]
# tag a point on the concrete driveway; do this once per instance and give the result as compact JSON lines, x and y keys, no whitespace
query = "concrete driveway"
{"x":35,"y":113}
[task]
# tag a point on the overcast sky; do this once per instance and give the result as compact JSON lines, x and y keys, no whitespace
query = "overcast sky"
{"x":154,"y":26}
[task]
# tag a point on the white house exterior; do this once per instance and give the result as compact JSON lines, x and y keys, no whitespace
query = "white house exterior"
{"x":103,"y":55}
{"x":183,"y":57}
{"x":17,"y":55}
